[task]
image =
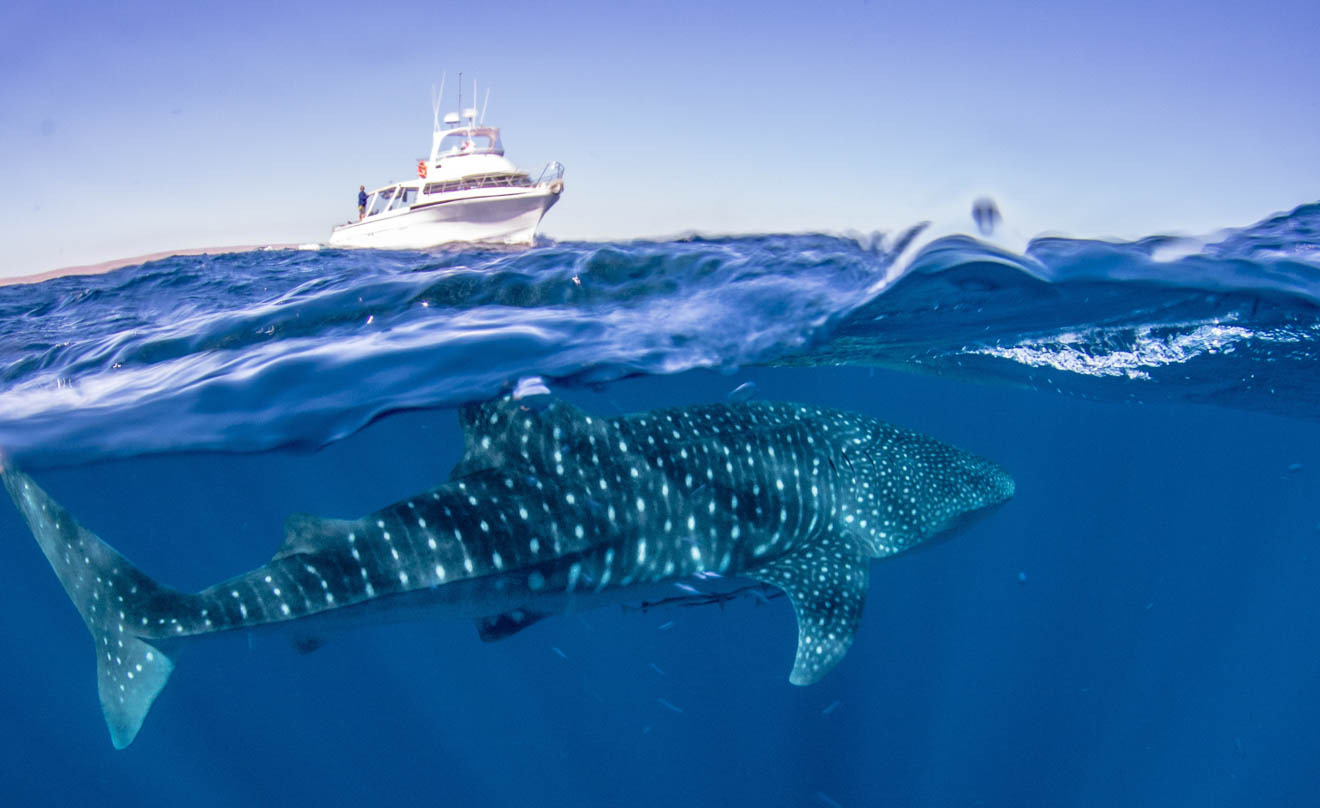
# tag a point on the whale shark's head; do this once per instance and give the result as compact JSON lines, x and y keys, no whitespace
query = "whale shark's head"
{"x":910,"y":488}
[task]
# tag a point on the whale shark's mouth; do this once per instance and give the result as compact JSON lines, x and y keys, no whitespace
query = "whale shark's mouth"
{"x":992,"y":482}
{"x":980,"y":488}
{"x":960,"y":524}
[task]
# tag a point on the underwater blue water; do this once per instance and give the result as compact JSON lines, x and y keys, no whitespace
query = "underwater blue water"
{"x":1137,"y":626}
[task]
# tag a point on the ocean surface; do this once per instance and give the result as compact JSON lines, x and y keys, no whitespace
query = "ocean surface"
{"x":1138,"y":626}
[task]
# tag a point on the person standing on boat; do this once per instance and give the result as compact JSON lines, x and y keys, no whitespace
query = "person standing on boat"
{"x":362,"y":202}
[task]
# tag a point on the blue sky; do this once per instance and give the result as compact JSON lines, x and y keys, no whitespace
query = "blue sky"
{"x":130,"y":128}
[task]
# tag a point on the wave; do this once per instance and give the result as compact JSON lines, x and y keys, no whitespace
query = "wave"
{"x":300,"y":347}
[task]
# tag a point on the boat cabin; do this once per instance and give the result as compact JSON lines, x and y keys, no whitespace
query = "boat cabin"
{"x":462,"y":159}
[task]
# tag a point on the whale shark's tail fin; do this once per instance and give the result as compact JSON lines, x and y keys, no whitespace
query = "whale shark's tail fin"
{"x":119,"y":603}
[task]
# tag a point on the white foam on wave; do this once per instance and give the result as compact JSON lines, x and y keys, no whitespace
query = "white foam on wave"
{"x":1177,"y":249}
{"x":1083,"y":353}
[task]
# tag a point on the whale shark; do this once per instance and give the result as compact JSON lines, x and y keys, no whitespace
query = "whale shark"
{"x":552,"y":510}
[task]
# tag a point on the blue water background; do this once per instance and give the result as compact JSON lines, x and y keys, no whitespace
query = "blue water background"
{"x":1138,"y":626}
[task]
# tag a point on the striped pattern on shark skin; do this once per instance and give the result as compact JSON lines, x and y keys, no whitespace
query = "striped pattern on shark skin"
{"x":549,"y":510}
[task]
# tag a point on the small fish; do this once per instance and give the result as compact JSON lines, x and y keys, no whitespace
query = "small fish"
{"x":669,"y":705}
{"x":834,"y":705}
{"x":665,"y":626}
{"x":657,"y":669}
{"x":689,"y":588}
{"x":744,"y":392}
{"x":825,"y":800}
{"x":557,"y":650}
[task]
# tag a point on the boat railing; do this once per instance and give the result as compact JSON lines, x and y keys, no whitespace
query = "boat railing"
{"x":554,"y":170}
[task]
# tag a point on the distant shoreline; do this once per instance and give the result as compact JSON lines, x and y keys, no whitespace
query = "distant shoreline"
{"x":119,"y":263}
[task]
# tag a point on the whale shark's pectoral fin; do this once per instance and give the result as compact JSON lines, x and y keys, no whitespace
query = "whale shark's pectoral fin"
{"x":499,"y":626}
{"x":826,"y":583}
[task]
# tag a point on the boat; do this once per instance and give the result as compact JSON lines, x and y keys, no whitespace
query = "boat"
{"x":466,"y":190}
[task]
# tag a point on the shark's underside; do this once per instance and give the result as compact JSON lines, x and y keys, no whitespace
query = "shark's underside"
{"x":549,"y":510}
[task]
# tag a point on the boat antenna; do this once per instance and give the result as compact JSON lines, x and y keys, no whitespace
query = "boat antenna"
{"x":484,"y":104}
{"x":436,"y":99}
{"x":460,"y":93}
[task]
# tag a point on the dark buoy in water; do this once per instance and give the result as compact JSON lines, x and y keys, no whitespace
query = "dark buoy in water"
{"x":986,"y":215}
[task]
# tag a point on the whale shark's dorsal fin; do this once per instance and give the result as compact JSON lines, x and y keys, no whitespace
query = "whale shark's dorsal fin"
{"x":826,"y":583}
{"x":505,"y":432}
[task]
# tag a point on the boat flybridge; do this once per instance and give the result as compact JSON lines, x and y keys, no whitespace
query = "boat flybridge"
{"x":465,"y":191}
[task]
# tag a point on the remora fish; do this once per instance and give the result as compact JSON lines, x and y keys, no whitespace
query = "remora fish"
{"x":551,"y":509}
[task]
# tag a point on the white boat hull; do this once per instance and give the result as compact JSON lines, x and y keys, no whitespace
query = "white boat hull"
{"x":503,"y":216}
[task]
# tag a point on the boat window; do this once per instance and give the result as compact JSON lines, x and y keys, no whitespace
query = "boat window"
{"x":480,"y":181}
{"x":404,"y":199}
{"x":467,"y":142}
{"x":380,"y":201}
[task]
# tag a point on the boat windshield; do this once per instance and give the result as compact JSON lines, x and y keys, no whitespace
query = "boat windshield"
{"x":470,"y":141}
{"x":404,"y":199}
{"x":380,"y":201}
